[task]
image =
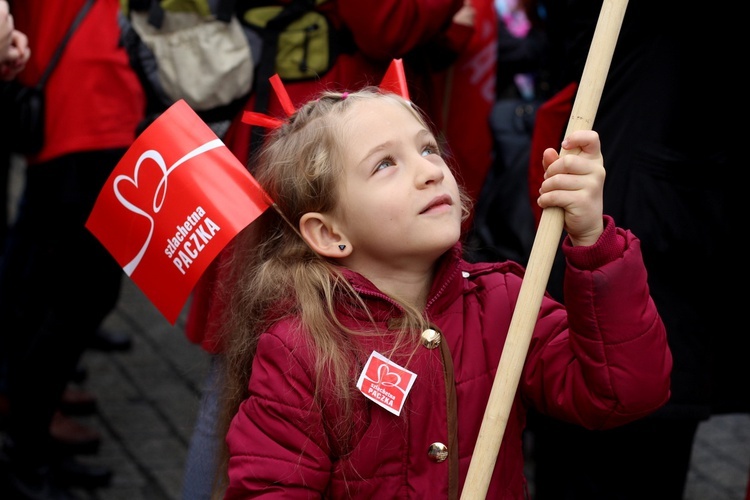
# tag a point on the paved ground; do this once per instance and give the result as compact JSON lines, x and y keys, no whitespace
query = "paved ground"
{"x":147,"y":402}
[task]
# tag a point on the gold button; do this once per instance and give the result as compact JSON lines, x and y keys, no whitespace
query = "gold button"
{"x":438,"y":452}
{"x":430,"y":338}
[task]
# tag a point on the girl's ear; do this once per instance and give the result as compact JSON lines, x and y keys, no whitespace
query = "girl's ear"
{"x":320,"y":234}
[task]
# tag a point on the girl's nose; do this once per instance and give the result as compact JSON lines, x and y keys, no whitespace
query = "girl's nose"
{"x":428,"y":172}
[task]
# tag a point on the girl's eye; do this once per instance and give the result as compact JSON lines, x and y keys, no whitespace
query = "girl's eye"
{"x":385,"y":162}
{"x":430,"y":149}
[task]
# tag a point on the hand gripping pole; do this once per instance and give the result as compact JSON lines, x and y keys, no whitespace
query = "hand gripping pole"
{"x":540,"y":263}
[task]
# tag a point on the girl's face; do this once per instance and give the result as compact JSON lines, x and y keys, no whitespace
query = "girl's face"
{"x":399,"y":204}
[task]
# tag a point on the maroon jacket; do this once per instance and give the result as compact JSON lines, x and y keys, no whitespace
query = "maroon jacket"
{"x":602,"y":363}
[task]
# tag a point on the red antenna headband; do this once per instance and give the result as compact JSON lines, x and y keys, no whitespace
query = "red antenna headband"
{"x":394,"y":81}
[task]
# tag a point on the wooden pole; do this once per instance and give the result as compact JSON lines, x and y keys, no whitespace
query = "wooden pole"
{"x":540,"y":263}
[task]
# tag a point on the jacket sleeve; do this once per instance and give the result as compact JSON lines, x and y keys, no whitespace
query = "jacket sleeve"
{"x":387,"y":29}
{"x":276,"y":440}
{"x":605,"y":361}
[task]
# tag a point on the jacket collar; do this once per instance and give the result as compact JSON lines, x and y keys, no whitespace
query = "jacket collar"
{"x":446,"y":286}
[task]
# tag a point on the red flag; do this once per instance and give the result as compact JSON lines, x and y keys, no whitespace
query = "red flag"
{"x":549,"y":126}
{"x":172,"y":203}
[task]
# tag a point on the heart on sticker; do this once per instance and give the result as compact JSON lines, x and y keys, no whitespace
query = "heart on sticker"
{"x":387,"y":377}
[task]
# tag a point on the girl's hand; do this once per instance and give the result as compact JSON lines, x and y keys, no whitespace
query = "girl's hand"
{"x":575,"y":183}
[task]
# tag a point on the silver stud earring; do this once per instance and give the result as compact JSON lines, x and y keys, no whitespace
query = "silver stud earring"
{"x":342,"y":247}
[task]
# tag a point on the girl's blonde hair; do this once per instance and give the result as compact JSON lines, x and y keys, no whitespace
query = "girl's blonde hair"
{"x":272,"y":273}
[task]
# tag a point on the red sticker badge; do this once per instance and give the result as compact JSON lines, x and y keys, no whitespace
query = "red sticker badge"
{"x":172,"y":203}
{"x":385,"y":382}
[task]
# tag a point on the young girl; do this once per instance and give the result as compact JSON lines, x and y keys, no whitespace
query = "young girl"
{"x":367,"y":259}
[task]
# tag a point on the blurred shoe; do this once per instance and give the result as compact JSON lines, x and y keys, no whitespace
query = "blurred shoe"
{"x":76,"y":401}
{"x":106,"y":341}
{"x":72,"y":437}
{"x":74,"y":473}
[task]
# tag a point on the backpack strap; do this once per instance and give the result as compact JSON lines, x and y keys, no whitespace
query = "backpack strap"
{"x":156,"y":14}
{"x":222,"y":10}
{"x":270,"y":35}
{"x":58,"y":52}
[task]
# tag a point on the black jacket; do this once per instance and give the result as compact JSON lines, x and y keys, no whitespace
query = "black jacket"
{"x":666,"y":122}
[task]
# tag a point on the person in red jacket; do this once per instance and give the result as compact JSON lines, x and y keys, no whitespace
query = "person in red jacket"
{"x":360,"y":346}
{"x":57,"y":282}
{"x":369,"y":35}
